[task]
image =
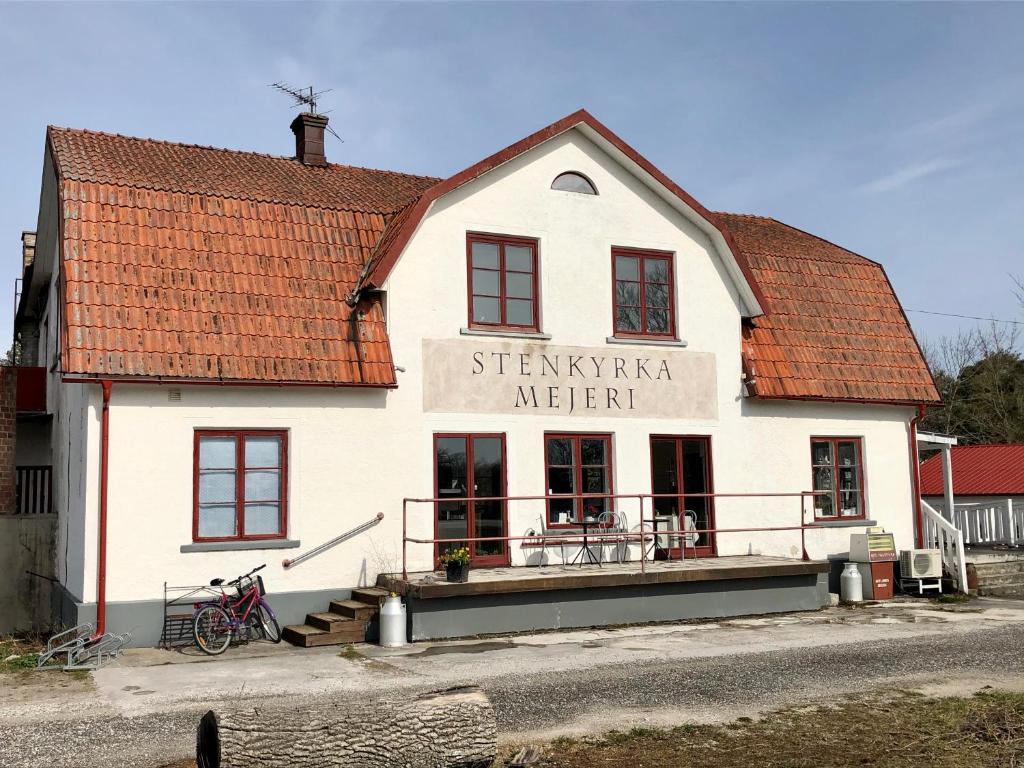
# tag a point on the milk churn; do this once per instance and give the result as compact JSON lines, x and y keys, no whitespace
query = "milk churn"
{"x":851,"y":587}
{"x":392,"y":622}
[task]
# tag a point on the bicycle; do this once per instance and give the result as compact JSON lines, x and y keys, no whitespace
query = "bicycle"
{"x":216,"y":624}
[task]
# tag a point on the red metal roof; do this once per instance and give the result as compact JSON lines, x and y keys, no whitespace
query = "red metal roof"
{"x":978,"y":470}
{"x":833,"y":329}
{"x":196,"y":263}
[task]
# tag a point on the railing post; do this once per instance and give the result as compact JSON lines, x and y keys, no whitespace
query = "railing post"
{"x":405,"y":543}
{"x":803,"y":529}
{"x":1013,"y":523}
{"x":643,"y":538}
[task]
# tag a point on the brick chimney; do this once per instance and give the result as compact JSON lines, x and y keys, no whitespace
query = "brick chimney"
{"x":309,"y":138}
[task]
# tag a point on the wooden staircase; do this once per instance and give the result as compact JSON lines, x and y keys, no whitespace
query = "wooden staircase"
{"x":346,"y":621}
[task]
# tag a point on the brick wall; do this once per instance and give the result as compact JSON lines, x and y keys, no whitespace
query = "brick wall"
{"x":8,"y":428}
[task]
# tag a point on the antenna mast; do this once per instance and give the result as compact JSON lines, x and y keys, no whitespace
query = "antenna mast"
{"x":306,"y":98}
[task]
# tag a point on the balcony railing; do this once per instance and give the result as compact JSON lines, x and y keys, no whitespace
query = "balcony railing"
{"x":31,"y":389}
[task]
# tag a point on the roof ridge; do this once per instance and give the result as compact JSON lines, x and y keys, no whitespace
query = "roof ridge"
{"x":210,"y":148}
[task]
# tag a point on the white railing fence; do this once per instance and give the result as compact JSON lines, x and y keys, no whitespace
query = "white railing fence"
{"x":999,"y":522}
{"x":942,"y":535}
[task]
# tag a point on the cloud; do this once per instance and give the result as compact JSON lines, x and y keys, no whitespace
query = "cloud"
{"x":910,"y":174}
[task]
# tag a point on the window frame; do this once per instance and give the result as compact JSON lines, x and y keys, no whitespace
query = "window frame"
{"x":593,"y":187}
{"x":577,"y":495}
{"x":861,"y":484}
{"x":501,"y":241}
{"x":240,"y":469}
{"x":644,"y":254}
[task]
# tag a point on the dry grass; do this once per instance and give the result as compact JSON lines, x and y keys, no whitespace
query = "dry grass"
{"x":903,"y":731}
{"x":18,"y":652}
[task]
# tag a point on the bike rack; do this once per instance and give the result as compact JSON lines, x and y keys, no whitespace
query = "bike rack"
{"x":81,"y":650}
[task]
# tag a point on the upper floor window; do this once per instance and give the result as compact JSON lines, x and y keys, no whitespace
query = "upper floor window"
{"x":838,"y":477}
{"x":571,"y":181}
{"x":239,"y":484}
{"x":644,"y":293}
{"x":503,"y":291}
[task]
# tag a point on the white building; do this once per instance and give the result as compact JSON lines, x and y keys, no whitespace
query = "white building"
{"x":249,"y":355}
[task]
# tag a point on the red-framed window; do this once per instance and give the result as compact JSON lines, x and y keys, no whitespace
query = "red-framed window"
{"x":643,"y":293}
{"x":838,"y":478}
{"x":240,"y":484}
{"x":503,"y":282}
{"x":577,"y":466}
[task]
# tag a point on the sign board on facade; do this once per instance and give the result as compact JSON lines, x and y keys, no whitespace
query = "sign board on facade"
{"x":514,"y":377}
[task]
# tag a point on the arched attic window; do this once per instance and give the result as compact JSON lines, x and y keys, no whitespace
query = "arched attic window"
{"x":571,"y":181}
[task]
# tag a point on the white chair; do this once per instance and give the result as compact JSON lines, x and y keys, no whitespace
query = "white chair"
{"x":613,"y":522}
{"x":545,"y":531}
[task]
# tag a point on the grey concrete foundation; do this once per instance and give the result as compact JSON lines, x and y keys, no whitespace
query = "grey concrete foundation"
{"x":469,"y":615}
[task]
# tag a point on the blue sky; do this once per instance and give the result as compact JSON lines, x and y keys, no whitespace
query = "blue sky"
{"x":896,"y":130}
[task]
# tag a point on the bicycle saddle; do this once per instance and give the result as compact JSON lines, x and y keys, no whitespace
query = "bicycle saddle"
{"x":216,"y":582}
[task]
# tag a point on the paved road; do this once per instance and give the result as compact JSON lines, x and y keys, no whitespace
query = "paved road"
{"x":143,"y":713}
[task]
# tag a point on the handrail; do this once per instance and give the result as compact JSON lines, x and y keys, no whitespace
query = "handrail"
{"x":949,"y":540}
{"x":642,"y":535}
{"x":290,"y":562}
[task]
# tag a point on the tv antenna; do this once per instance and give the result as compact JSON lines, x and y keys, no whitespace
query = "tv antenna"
{"x":306,"y":98}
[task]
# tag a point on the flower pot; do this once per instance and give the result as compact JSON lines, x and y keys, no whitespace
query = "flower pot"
{"x":457,"y":573}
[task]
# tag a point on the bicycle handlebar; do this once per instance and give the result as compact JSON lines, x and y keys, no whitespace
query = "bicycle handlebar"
{"x":250,"y":573}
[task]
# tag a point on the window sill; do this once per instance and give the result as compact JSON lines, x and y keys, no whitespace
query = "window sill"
{"x":505,"y":334}
{"x":647,"y":341}
{"x":854,"y":523}
{"x":240,"y":546}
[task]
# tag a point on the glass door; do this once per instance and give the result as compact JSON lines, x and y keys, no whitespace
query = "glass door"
{"x":468,"y":468}
{"x":681,"y":469}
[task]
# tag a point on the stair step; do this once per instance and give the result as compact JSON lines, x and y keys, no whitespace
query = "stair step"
{"x":332,"y":622}
{"x":310,"y":637}
{"x":995,"y":569}
{"x":354,"y":609}
{"x":369,"y":595}
{"x":1000,"y":579}
{"x":1005,"y":591}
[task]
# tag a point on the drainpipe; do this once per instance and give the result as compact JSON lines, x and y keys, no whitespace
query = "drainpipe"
{"x":101,"y":574}
{"x":916,"y":467}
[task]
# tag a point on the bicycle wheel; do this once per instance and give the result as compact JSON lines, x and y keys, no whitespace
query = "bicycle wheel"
{"x":268,"y":621}
{"x":211,"y":629}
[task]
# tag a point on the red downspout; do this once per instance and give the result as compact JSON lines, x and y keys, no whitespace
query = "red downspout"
{"x":916,"y":466}
{"x":101,"y":588}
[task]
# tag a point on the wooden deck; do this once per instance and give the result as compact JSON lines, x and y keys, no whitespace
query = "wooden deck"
{"x":493,"y":581}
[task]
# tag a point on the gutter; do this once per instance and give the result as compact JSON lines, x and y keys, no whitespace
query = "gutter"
{"x":101,"y":573}
{"x":915,"y":466}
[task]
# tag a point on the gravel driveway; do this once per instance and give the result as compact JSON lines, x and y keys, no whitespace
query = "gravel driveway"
{"x":143,"y":712}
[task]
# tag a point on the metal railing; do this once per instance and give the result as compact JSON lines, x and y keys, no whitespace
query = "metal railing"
{"x":942,"y":535}
{"x":33,"y":494}
{"x":645,"y":532}
{"x":320,"y":548}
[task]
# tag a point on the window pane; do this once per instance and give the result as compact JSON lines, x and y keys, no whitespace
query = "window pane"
{"x":657,"y":321}
{"x":656,"y":270}
{"x":487,"y":470}
{"x":451,"y":466}
{"x":263,"y":451}
{"x":594,"y":452}
{"x":563,"y":510}
{"x":657,"y":295}
{"x":627,"y":268}
{"x":823,"y":480}
{"x":573,"y":182}
{"x":519,"y":258}
{"x":627,"y":294}
{"x":262,"y":485}
{"x":849,"y":503}
{"x":822,"y":453}
{"x":217,"y":521}
{"x":518,"y":286}
{"x":216,"y":486}
{"x":519,"y":312}
{"x":595,"y":480}
{"x":485,"y":255}
{"x":216,"y":453}
{"x":847,"y":453}
{"x":561,"y":480}
{"x":823,"y":506}
{"x":560,"y":450}
{"x":489,"y":523}
{"x":262,"y":519}
{"x":486,"y":310}
{"x":627,"y":319}
{"x":485,"y":282}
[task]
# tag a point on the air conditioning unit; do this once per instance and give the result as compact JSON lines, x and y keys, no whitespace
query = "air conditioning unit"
{"x":920,"y":564}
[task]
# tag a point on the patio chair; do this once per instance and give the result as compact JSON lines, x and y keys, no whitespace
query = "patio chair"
{"x":545,"y":531}
{"x":614,"y":522}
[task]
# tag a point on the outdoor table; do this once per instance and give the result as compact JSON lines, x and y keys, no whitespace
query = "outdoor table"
{"x":585,"y":555}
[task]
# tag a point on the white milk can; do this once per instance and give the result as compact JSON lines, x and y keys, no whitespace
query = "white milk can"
{"x":851,"y":586}
{"x":392,"y":622}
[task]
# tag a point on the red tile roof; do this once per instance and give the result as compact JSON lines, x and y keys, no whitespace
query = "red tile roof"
{"x":189,"y":262}
{"x":833,"y":329}
{"x":978,"y":470}
{"x":196,"y":263}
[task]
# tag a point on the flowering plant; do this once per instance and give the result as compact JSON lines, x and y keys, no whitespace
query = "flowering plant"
{"x":459,"y":556}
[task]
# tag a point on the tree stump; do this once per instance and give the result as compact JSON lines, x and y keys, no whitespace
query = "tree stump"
{"x":455,"y":728}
